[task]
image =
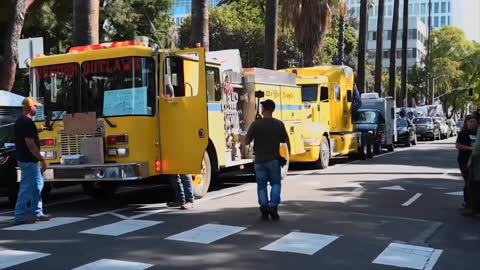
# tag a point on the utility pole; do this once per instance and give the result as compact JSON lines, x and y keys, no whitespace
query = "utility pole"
{"x":404,"y":52}
{"x":429,"y":56}
{"x":379,"y":49}
{"x":393,"y":52}
{"x":362,"y":46}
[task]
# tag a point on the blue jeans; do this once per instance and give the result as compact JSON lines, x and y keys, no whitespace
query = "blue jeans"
{"x":183,"y":185}
{"x":268,"y":172}
{"x":29,"y":200}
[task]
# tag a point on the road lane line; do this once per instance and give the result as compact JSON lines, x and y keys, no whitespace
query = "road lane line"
{"x":412,"y":200}
{"x":9,"y":257}
{"x":109,"y":212}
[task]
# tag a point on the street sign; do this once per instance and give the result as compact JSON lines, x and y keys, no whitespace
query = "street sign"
{"x":27,"y":49}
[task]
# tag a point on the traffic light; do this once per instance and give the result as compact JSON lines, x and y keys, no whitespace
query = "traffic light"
{"x":470,"y":91}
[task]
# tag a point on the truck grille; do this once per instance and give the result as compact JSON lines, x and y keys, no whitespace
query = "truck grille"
{"x":70,"y":144}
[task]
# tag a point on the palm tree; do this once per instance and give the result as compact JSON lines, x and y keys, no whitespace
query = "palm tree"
{"x":393,"y":50}
{"x":404,"y":51}
{"x":271,"y":36}
{"x":199,"y":35}
{"x":362,"y":46}
{"x":85,"y":22}
{"x":13,"y":30}
{"x":311,"y":20}
{"x":379,"y":48}
{"x":342,"y":16}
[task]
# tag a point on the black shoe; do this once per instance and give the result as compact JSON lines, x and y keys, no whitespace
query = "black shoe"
{"x":265,"y":213}
{"x":274,"y":213}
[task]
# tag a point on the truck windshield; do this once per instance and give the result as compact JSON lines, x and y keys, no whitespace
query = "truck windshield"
{"x":119,"y":86}
{"x":57,"y":87}
{"x":367,"y":118}
{"x":422,"y":121}
{"x":309,"y":93}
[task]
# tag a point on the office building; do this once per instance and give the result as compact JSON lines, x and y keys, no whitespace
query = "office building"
{"x":460,"y":13}
{"x":183,"y":9}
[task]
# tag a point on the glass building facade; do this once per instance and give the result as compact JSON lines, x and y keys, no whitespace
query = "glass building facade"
{"x":183,"y":9}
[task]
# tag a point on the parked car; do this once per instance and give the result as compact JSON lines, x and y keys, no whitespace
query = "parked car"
{"x":452,"y":128}
{"x":406,"y":132}
{"x":427,"y":128}
{"x":443,"y":127}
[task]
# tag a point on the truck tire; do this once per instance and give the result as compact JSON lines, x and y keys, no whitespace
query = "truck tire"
{"x":363,"y":150}
{"x":377,"y":148}
{"x":100,"y":190}
{"x":202,"y":182}
{"x":324,"y":158}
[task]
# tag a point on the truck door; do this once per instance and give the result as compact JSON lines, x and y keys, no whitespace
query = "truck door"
{"x":183,"y":114}
{"x":324,"y":106}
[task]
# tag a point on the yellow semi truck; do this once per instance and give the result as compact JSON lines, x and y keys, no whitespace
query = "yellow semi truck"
{"x":327,"y":95}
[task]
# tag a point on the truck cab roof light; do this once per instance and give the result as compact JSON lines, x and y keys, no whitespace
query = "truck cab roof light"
{"x":94,"y":47}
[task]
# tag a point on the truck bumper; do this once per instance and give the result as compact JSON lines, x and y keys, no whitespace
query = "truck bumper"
{"x":96,"y":172}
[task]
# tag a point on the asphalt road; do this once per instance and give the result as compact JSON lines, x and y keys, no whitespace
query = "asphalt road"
{"x":396,"y":211}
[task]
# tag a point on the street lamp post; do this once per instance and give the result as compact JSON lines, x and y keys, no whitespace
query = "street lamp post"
{"x":433,"y":86}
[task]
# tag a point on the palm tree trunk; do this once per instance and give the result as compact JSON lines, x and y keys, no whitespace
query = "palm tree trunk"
{"x":271,"y":36}
{"x":85,"y":22}
{"x":341,"y":40}
{"x":362,"y":47}
{"x":404,"y":52}
{"x":393,"y":50}
{"x":379,"y":49}
{"x":200,"y":34}
{"x":9,"y":60}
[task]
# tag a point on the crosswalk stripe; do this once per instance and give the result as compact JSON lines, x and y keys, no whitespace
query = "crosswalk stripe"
{"x":54,"y":222}
{"x":122,"y":227}
{"x":206,"y":234}
{"x":10,"y":257}
{"x":408,"y":256}
{"x":303,"y":243}
{"x":107,"y":264}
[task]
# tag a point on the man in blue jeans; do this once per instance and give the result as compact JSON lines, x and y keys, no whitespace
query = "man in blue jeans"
{"x":183,"y":186}
{"x":28,"y":156}
{"x":267,"y":134}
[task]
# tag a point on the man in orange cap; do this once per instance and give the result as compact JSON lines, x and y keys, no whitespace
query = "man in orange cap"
{"x":28,"y":156}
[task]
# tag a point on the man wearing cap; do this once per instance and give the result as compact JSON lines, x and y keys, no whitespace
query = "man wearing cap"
{"x":267,"y":134}
{"x":28,"y":156}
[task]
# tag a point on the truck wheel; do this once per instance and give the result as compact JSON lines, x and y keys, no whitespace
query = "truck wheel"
{"x":100,"y":190}
{"x":363,"y":150}
{"x":202,"y":181}
{"x":377,"y":148}
{"x":12,"y":186}
{"x":324,"y":158}
{"x":370,"y":150}
{"x":391,"y":148}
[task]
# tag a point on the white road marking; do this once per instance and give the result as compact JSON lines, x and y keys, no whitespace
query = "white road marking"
{"x":206,"y":234}
{"x":412,"y":200}
{"x":149,"y":213}
{"x":457,"y":193}
{"x":10,"y":257}
{"x":303,"y":243}
{"x":54,"y":222}
{"x":107,"y":264}
{"x":122,"y":227}
{"x":109,"y":212}
{"x":397,"y":188}
{"x":408,"y":256}
{"x":5,"y":218}
{"x":433,"y":259}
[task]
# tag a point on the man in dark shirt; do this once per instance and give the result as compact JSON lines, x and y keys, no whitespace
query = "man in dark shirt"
{"x":465,"y":141}
{"x":28,"y":155}
{"x":267,"y":134}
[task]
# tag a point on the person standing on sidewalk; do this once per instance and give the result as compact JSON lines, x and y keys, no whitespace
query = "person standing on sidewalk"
{"x":464,"y":144}
{"x":28,"y":156}
{"x":267,"y":134}
{"x":183,"y":186}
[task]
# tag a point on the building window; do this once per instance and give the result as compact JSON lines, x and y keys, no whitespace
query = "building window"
{"x":444,"y":7}
{"x":415,"y":9}
{"x":435,"y":22}
{"x":412,"y":34}
{"x":437,"y":7}
{"x":410,"y":9}
{"x":389,"y":35}
{"x":423,"y":9}
{"x":448,"y":20}
{"x":386,"y":54}
{"x":448,"y":7}
{"x":443,"y":21}
{"x":389,"y":10}
{"x":372,"y":35}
